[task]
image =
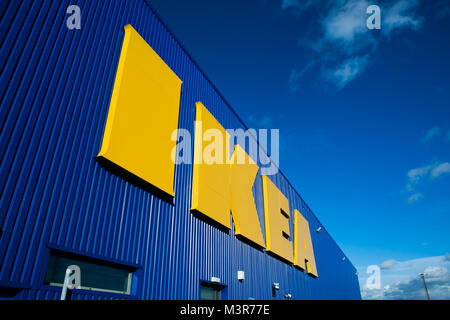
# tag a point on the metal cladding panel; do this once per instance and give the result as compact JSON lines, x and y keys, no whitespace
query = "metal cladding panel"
{"x":55,"y":89}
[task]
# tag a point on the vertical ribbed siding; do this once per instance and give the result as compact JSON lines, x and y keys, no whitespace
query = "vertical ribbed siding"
{"x":55,"y":87}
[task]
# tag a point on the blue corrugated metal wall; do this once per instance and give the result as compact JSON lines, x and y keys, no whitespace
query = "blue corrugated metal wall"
{"x":55,"y":88}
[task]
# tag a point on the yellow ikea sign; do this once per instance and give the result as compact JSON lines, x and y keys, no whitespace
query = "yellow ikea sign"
{"x":142,"y":116}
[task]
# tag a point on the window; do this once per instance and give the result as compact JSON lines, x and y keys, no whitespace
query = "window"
{"x":95,"y":274}
{"x":209,"y":291}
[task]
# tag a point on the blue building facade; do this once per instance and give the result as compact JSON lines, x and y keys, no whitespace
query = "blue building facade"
{"x":56,"y":200}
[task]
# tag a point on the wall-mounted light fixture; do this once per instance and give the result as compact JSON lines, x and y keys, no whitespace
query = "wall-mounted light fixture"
{"x":344,"y":258}
{"x":275,"y":288}
{"x":241,"y":275}
{"x":318,"y":229}
{"x":215,"y":279}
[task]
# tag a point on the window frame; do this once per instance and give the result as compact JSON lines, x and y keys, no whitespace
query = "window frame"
{"x":69,"y":254}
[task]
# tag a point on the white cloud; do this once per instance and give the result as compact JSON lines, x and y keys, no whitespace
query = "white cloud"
{"x":433,"y":171}
{"x":415,"y":197}
{"x":401,"y":15}
{"x":441,"y":169}
{"x":422,"y":174}
{"x":438,"y":284}
{"x":417,"y":175}
{"x":388,"y":264}
{"x":431,"y":133}
{"x":401,"y":280}
{"x":436,"y":273}
{"x":347,"y":71}
{"x":343,"y":45}
{"x":346,"y":22}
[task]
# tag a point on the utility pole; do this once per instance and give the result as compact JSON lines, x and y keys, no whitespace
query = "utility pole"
{"x":424,"y":285}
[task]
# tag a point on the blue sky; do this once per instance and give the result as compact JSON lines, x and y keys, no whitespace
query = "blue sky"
{"x":364,"y":115}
